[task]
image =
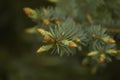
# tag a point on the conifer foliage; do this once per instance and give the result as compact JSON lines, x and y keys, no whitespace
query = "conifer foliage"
{"x":79,"y":26}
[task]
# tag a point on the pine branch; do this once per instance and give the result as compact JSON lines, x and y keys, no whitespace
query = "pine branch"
{"x":63,"y":36}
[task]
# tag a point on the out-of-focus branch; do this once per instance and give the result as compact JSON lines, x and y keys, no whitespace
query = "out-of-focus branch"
{"x":88,"y":14}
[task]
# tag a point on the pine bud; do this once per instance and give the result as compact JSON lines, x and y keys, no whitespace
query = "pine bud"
{"x":112,"y":51}
{"x":40,"y":50}
{"x":44,"y":48}
{"x":108,"y":40}
{"x":46,"y":22}
{"x":31,"y":30}
{"x":102,"y":58}
{"x":30,"y":12}
{"x":42,"y":31}
{"x":112,"y":41}
{"x":56,"y":21}
{"x":93,"y":35}
{"x":93,"y":53}
{"x":47,"y":38}
{"x":77,"y":40}
{"x":89,"y":18}
{"x":69,"y":43}
{"x":72,"y":44}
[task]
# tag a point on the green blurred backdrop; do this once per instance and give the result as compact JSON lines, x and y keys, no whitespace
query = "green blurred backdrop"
{"x":18,"y":57}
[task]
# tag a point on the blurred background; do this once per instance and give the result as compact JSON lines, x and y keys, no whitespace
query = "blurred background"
{"x":18,"y":57}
